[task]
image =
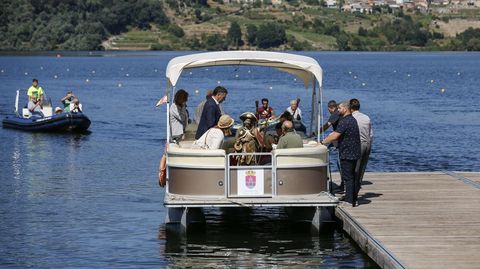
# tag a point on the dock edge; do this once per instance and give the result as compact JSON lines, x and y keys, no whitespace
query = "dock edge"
{"x":373,"y":248}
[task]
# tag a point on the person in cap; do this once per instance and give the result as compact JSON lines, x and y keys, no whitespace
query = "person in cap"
{"x":213,"y":138}
{"x":248,"y":139}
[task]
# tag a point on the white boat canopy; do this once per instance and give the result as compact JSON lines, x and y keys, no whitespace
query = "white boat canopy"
{"x":306,"y":68}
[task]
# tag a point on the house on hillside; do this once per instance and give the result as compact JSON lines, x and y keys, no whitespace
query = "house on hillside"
{"x":331,"y":3}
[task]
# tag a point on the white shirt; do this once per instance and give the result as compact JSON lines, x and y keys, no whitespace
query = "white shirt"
{"x":364,"y":126}
{"x":72,"y":106}
{"x":211,"y":139}
{"x":298,"y":112}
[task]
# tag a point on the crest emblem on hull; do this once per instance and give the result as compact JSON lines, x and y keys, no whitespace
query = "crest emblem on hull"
{"x":250,"y":179}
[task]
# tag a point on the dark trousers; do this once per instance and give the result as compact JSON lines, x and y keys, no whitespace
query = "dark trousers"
{"x":352,"y":183}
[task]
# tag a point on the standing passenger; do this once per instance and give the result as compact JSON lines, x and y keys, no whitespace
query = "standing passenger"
{"x":334,"y":116}
{"x":179,"y":115}
{"x":35,"y":98}
{"x":366,"y":137}
{"x":199,"y":109}
{"x":349,"y":148}
{"x":211,"y":111}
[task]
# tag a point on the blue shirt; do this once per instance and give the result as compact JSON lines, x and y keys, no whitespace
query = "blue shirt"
{"x":349,"y":143}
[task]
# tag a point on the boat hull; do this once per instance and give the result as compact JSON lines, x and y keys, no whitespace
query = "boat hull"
{"x":64,"y":122}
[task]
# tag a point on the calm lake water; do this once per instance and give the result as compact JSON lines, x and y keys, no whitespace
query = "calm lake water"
{"x":92,"y":200}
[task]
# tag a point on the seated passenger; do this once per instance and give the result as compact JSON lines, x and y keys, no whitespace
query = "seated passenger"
{"x":213,"y":138}
{"x":285,"y":116}
{"x":295,"y":110}
{"x":75,"y":106}
{"x":271,"y":139}
{"x":248,"y":139}
{"x":289,"y":139}
{"x":265,"y":112}
{"x":67,"y":100}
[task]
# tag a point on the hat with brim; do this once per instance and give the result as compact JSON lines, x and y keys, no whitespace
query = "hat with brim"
{"x":225,"y":122}
{"x":248,"y":115}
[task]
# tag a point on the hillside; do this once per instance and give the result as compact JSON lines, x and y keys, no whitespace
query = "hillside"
{"x":214,"y":25}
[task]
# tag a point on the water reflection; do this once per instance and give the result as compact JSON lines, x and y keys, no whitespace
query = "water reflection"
{"x":261,"y":238}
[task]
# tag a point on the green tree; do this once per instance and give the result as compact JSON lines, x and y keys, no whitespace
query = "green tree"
{"x":252,"y":34}
{"x":271,"y":34}
{"x":234,"y":35}
{"x":342,"y":42}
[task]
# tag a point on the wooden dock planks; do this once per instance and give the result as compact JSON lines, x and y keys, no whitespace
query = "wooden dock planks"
{"x":417,"y":220}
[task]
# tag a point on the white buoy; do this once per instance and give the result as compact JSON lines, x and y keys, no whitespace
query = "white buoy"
{"x":206,"y":69}
{"x":394,"y":71}
{"x":55,"y":77}
{"x":120,"y":85}
{"x":363,"y":84}
{"x":190,"y":73}
{"x":408,"y":75}
{"x":2,"y":71}
{"x":249,"y":71}
{"x":294,"y":79}
{"x":156,"y":70}
{"x":68,"y":69}
{"x":458,"y":74}
{"x":93,"y":71}
{"x":197,"y":92}
{"x":41,"y":67}
{"x":127,"y":74}
{"x":121,"y":68}
{"x":270,"y":87}
{"x":442,"y":90}
{"x":87,"y":80}
{"x":218,"y":82}
{"x":349,"y":72}
{"x":355,"y":77}
{"x":236,"y":75}
{"x":26,"y":73}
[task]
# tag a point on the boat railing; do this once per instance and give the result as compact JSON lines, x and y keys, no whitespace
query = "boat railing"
{"x":281,"y":172}
{"x":255,"y":180}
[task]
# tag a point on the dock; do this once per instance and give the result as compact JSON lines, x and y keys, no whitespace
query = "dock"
{"x":417,"y":219}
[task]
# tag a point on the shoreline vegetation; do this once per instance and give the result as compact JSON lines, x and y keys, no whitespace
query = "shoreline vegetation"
{"x":96,"y":25}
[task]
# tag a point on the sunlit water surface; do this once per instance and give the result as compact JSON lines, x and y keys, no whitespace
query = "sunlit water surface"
{"x":92,"y":200}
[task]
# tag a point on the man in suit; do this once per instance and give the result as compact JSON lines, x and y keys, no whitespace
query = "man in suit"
{"x":211,"y":111}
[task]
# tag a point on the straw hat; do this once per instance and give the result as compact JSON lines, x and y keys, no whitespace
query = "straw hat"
{"x":225,"y":122}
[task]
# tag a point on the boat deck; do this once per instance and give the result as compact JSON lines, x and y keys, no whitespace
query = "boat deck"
{"x":322,"y":199}
{"x":417,"y":220}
